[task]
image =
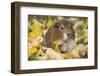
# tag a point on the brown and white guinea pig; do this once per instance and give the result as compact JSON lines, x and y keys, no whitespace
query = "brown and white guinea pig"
{"x":63,"y":30}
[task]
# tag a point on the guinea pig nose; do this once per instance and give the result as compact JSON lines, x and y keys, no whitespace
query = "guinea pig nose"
{"x":68,"y":34}
{"x":62,"y":28}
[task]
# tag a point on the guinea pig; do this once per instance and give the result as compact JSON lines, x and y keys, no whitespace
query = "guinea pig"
{"x":63,"y":30}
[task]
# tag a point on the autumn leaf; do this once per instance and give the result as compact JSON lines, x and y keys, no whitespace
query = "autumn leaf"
{"x":57,"y":44}
{"x":41,"y":55}
{"x":32,"y":51}
{"x":67,"y":56}
{"x":53,"y":55}
{"x":79,"y":51}
{"x":49,"y":23}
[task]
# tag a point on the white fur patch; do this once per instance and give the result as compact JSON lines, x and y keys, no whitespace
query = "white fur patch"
{"x":65,"y":36}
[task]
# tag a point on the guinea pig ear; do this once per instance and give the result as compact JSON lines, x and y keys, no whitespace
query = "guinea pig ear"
{"x":72,"y":21}
{"x":57,"y":25}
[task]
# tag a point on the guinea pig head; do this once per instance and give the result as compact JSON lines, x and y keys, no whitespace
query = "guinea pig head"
{"x":68,"y":29}
{"x":66,"y":26}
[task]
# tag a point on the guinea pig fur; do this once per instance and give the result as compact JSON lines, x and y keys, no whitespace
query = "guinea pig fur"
{"x":63,"y":30}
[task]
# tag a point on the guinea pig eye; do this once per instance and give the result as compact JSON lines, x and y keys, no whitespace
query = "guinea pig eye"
{"x":62,"y":28}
